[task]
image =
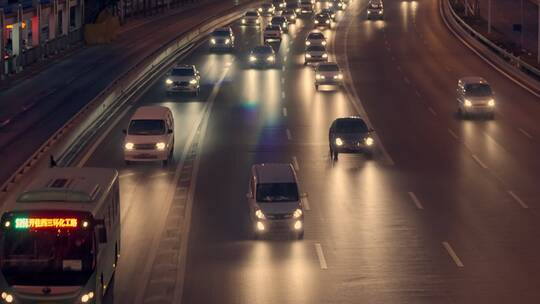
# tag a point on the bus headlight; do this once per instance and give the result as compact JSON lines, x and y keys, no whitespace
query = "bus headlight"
{"x":7,"y":297}
{"x":87,"y":297}
{"x":369,"y":141}
{"x":129,"y":146}
{"x":161,"y":146}
{"x":339,"y":142}
{"x":491,"y":103}
{"x":260,"y":215}
{"x":168,"y":81}
{"x":468,"y":103}
{"x":297,"y":213}
{"x":193,"y":81}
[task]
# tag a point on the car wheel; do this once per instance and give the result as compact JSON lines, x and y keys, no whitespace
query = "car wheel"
{"x":336,"y":155}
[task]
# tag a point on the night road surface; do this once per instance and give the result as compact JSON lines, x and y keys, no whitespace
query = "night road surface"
{"x":446,"y":211}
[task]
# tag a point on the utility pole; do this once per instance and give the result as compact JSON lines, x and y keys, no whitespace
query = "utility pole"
{"x":489,"y":17}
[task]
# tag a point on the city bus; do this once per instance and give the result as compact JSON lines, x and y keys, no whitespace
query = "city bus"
{"x":60,"y":237}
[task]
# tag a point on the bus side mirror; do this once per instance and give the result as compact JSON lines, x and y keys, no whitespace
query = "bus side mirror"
{"x":102,"y":234}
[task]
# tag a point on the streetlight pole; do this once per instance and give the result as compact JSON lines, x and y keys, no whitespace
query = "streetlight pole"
{"x":522,"y":27}
{"x":489,"y":17}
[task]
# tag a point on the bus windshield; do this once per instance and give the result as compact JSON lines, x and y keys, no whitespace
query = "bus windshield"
{"x":47,"y":257}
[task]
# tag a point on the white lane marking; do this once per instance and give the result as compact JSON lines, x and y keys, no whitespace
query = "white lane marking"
{"x":283,"y":95}
{"x":416,"y":201}
{"x":284,"y":111}
{"x":305,"y":203}
{"x":98,"y":142}
{"x":398,"y":68}
{"x":283,"y":68}
{"x":161,"y":174}
{"x":295,"y":163}
{"x":289,"y":135}
{"x":514,"y":196}
{"x":417,"y":93}
{"x":479,"y":161}
{"x":525,"y":133}
{"x":282,"y":80}
{"x":432,"y":111}
{"x":454,"y":135}
{"x":320,"y":254}
{"x":452,"y":254}
{"x":126,"y":175}
{"x":406,"y":80}
{"x":285,"y":58}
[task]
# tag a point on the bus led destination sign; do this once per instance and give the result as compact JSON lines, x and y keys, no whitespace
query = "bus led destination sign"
{"x":37,"y":223}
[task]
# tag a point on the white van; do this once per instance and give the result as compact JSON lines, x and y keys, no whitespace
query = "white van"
{"x":150,"y":135}
{"x":475,"y":96}
{"x":274,"y":200}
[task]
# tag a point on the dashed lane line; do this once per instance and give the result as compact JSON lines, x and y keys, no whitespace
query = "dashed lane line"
{"x":453,"y":254}
{"x":284,"y":111}
{"x":416,"y":201}
{"x":525,"y":133}
{"x":295,"y":163}
{"x":320,"y":255}
{"x":289,"y":135}
{"x":479,"y":161}
{"x":517,"y":199}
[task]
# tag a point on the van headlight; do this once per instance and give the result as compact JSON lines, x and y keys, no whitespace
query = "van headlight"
{"x":468,"y":103}
{"x":213,"y":41}
{"x":227,"y":41}
{"x":161,"y":146}
{"x":7,"y":297}
{"x":308,"y":42}
{"x":129,"y":146}
{"x":491,"y":102}
{"x":259,"y":214}
{"x":168,"y":81}
{"x":339,"y":142}
{"x":297,"y":213}
{"x":87,"y":297}
{"x":324,"y":55}
{"x":369,"y":141}
{"x":193,"y":81}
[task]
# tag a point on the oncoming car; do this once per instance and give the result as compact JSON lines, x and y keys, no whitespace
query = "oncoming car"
{"x":322,"y":20}
{"x":306,"y":7}
{"x":375,"y":9}
{"x":262,"y":56}
{"x":150,"y":135}
{"x":350,"y":135}
{"x":274,"y":200}
{"x":290,"y":15}
{"x":475,"y":96}
{"x":251,"y":18}
{"x":272,"y":33}
{"x":328,"y":73}
{"x":183,"y":78}
{"x":315,"y":53}
{"x":315,"y":38}
{"x":330,"y":12}
{"x":222,"y":38}
{"x":282,"y":22}
{"x":267,"y":9}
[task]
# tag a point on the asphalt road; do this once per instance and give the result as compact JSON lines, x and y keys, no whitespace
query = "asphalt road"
{"x":446,"y":212}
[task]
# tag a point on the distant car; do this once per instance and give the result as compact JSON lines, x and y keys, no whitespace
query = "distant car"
{"x":293,"y":6}
{"x":281,"y":22}
{"x":475,"y":96}
{"x":330,"y":12}
{"x":267,"y":9}
{"x":306,"y":7}
{"x":315,"y":53}
{"x":337,"y":4}
{"x":315,"y":38}
{"x":322,"y":20}
{"x":279,"y":4}
{"x":328,"y":73}
{"x":350,"y":135}
{"x":272,"y":33}
{"x":290,"y":15}
{"x":274,"y":200}
{"x":183,"y":78}
{"x":262,"y":56}
{"x":222,"y":38}
{"x":251,"y":18}
{"x":150,"y":135}
{"x":375,"y":10}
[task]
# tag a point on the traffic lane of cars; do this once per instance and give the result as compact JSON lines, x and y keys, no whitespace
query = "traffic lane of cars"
{"x":442,"y":172}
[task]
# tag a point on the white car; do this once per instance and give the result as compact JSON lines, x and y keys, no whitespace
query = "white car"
{"x":315,"y":38}
{"x":322,"y":20}
{"x":375,"y":10}
{"x":272,"y":33}
{"x":251,"y":18}
{"x":222,"y":39}
{"x":315,"y":53}
{"x":274,"y":200}
{"x":150,"y":135}
{"x":328,"y":73}
{"x":475,"y":96}
{"x":183,"y":78}
{"x":262,"y":56}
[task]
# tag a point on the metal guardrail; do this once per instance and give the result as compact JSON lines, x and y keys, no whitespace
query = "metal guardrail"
{"x":504,"y":54}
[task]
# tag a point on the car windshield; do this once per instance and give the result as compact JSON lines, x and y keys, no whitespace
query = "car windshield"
{"x":478,"y":90}
{"x":328,"y":68}
{"x":375,"y":5}
{"x":278,"y":20}
{"x":222,"y":33}
{"x":315,"y":36}
{"x":47,"y":257}
{"x":277,"y":192}
{"x":262,"y":50}
{"x":316,"y":48}
{"x":146,"y":127}
{"x":182,"y":72}
{"x":266,"y":5}
{"x":351,"y":126}
{"x":288,"y":12}
{"x":321,"y":16}
{"x":272,"y":28}
{"x":251,"y":14}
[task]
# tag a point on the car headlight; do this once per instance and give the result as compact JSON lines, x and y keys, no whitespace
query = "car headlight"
{"x":297,"y":213}
{"x":327,"y":21}
{"x":160,"y":146}
{"x":243,"y":21}
{"x":168,"y":81}
{"x":339,"y":76}
{"x":227,"y":41}
{"x":317,"y":76}
{"x":297,"y":10}
{"x":259,"y":214}
{"x":369,"y":141}
{"x":284,"y":24}
{"x":323,"y":43}
{"x":308,"y":42}
{"x":339,"y":141}
{"x":293,"y":17}
{"x":491,"y":103}
{"x":257,"y":21}
{"x":193,"y":81}
{"x":252,"y":58}
{"x":87,"y":297}
{"x":308,"y":56}
{"x":380,"y":12}
{"x":7,"y":297}
{"x":316,"y":21}
{"x":324,"y":55}
{"x":213,"y":41}
{"x":271,"y":58}
{"x":260,"y":9}
{"x":468,"y":103}
{"x":129,"y":146}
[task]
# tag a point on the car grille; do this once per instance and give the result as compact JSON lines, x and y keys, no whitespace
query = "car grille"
{"x":181,"y":83}
{"x":144,"y":146}
{"x":281,"y":216}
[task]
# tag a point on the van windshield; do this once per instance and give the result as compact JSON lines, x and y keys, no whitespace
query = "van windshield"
{"x":146,"y":127}
{"x":478,"y":90}
{"x":277,"y":192}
